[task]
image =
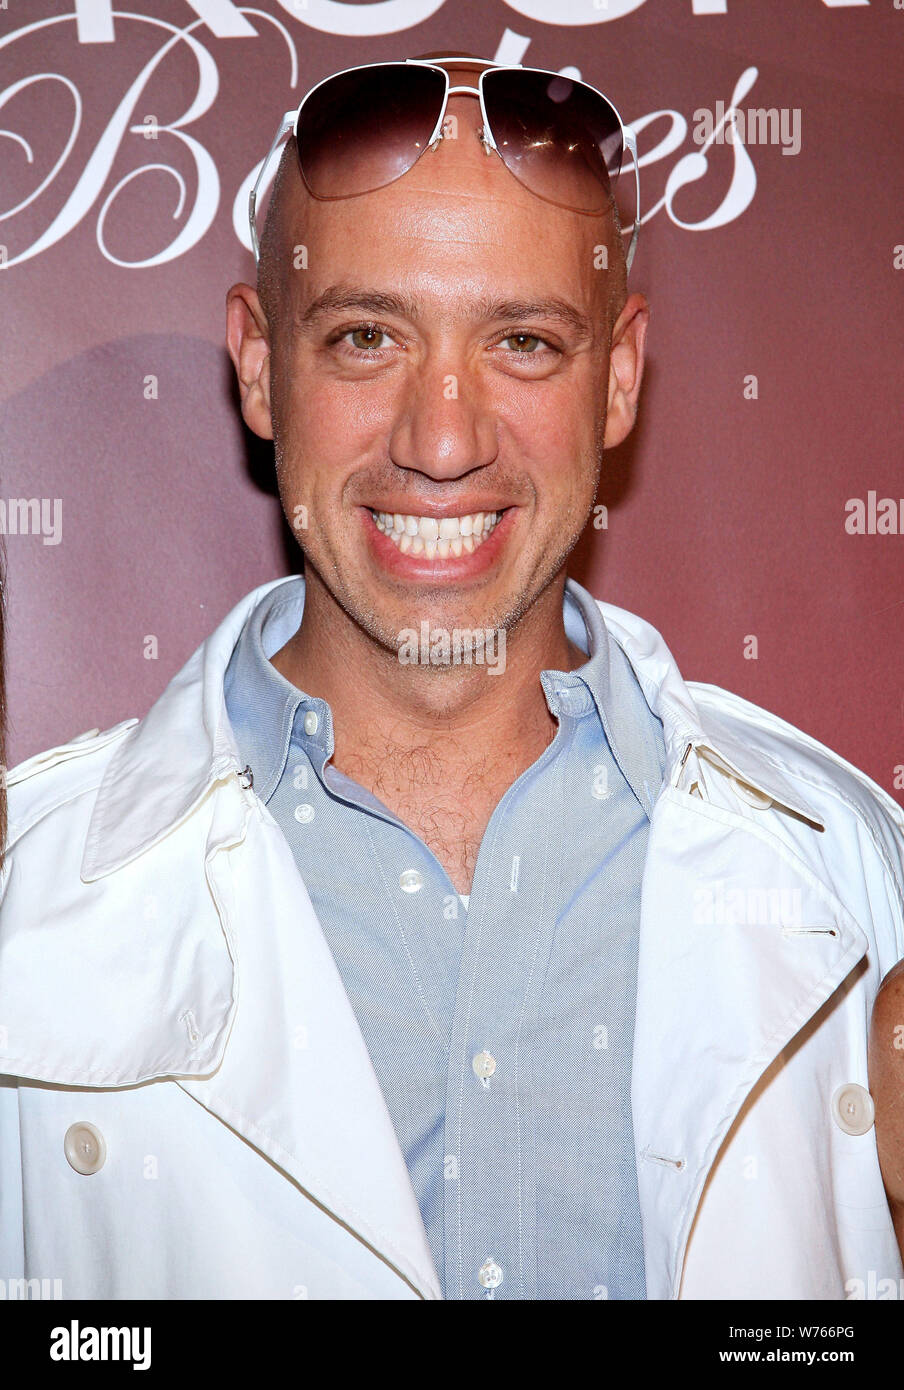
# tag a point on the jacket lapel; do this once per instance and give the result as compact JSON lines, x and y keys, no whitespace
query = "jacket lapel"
{"x":296,"y":1079}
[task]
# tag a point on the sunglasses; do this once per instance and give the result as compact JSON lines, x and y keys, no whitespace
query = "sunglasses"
{"x":365,"y":127}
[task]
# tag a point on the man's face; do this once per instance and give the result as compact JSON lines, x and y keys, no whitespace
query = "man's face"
{"x":459,"y":368}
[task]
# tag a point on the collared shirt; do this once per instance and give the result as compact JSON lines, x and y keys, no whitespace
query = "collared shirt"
{"x":500,"y":1024}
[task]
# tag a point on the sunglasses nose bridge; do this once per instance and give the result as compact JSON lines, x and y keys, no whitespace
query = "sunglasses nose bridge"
{"x":483,"y":133}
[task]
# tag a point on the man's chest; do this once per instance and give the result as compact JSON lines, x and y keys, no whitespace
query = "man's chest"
{"x":452,"y":829}
{"x":501,"y":1036}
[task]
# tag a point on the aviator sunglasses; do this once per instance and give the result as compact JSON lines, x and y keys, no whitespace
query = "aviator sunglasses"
{"x":365,"y":127}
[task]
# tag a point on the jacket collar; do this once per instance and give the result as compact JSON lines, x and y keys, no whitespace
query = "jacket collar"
{"x":169,"y":761}
{"x":142,"y":798}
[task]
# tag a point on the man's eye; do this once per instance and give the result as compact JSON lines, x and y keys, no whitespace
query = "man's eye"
{"x":523,"y":342}
{"x":367,"y":338}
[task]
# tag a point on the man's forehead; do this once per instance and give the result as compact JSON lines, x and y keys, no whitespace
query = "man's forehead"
{"x":446,"y":237}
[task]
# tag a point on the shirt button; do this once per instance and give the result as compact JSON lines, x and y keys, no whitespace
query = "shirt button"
{"x":853,"y":1109}
{"x":411,"y":881}
{"x":311,"y":722}
{"x":304,"y":813}
{"x":84,"y":1148}
{"x":484,"y":1064}
{"x":489,"y":1275}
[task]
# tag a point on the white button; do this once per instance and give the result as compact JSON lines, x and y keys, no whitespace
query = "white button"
{"x":84,"y":1148}
{"x":489,"y":1275}
{"x":752,"y":794}
{"x":484,"y":1064}
{"x":304,"y":813}
{"x":853,"y":1109}
{"x":311,"y":722}
{"x":411,"y":881}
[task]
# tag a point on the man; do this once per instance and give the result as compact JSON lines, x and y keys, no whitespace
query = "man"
{"x":430,"y":936}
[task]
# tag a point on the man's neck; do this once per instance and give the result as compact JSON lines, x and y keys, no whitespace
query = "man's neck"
{"x":456,"y":718}
{"x":438,"y":746}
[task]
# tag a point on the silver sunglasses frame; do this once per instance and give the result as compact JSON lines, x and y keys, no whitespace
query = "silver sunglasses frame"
{"x":289,"y":124}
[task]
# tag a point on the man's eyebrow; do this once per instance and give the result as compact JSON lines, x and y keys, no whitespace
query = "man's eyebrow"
{"x":521,"y":310}
{"x":340,"y":297}
{"x":486,"y":309}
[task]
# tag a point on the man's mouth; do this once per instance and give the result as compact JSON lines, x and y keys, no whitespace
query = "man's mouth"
{"x":436,"y":537}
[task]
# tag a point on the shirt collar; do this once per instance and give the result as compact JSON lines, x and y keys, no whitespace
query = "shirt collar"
{"x":607,"y":684}
{"x":166,"y":764}
{"x":261,"y":704}
{"x":264,"y":708}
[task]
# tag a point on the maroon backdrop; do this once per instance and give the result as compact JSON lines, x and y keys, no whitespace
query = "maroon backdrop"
{"x":135,"y":504}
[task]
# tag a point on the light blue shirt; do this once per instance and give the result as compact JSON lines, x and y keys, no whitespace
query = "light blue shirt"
{"x":501,"y":1032}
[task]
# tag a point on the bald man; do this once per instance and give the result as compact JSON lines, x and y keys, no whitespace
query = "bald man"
{"x":487,"y":422}
{"x":431,"y":937}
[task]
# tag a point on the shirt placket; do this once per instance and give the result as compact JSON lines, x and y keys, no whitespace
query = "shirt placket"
{"x":490,"y":1191}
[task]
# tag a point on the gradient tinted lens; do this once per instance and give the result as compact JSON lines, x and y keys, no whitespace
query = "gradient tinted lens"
{"x":361,"y":130}
{"x":559,"y":138}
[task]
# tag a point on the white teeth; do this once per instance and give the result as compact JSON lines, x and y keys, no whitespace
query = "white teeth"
{"x":436,"y":536}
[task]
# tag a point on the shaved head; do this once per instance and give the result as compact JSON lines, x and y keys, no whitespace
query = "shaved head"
{"x":290,"y":200}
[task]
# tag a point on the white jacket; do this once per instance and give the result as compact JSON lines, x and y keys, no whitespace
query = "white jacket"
{"x":163,"y":978}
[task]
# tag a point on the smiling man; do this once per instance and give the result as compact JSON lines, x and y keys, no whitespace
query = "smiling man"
{"x":440,"y":380}
{"x":498,"y":964}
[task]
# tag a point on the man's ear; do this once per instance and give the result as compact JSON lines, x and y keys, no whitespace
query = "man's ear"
{"x":249,"y":347}
{"x":626,"y":359}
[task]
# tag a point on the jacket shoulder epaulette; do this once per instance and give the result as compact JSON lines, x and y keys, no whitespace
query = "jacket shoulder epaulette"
{"x":810,"y":759}
{"x":835,"y":785}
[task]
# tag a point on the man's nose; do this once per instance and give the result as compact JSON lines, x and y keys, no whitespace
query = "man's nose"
{"x":443,"y":428}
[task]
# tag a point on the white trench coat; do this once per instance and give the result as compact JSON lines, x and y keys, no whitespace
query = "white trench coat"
{"x":187,"y":1106}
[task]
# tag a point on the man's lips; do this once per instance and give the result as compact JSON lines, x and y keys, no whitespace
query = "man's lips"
{"x":437,"y":544}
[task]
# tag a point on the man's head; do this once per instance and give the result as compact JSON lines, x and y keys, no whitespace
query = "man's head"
{"x":447,"y":345}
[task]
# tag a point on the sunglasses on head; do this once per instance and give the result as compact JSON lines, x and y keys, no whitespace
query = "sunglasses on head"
{"x":365,"y":127}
